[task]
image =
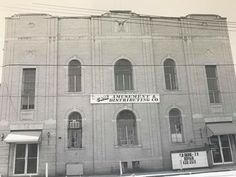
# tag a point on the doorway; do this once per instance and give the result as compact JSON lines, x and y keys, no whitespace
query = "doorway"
{"x":221,"y":150}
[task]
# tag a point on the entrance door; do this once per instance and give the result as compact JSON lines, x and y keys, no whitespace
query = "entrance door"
{"x":221,"y":151}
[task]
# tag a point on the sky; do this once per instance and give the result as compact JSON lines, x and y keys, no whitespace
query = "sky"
{"x":175,"y":8}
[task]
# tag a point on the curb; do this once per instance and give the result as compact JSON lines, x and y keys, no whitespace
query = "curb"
{"x":178,"y":173}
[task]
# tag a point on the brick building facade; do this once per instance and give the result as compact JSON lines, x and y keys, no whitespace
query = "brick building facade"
{"x":53,"y":65}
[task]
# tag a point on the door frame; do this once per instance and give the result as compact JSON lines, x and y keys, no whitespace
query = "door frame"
{"x":221,"y":152}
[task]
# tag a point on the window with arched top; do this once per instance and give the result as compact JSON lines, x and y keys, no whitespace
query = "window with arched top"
{"x":126,"y":128}
{"x":123,"y":75}
{"x":170,"y":74}
{"x":75,"y":130}
{"x":74,"y":76}
{"x":176,"y":126}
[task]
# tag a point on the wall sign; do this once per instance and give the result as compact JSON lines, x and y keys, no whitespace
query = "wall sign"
{"x":184,"y":160}
{"x":124,"y":98}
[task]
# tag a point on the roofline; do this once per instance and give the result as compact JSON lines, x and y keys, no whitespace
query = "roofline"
{"x":118,"y":12}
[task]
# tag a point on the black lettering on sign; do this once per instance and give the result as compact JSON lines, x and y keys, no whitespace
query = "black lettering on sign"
{"x":189,"y":157}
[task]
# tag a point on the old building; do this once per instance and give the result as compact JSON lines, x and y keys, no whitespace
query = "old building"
{"x":93,"y":94}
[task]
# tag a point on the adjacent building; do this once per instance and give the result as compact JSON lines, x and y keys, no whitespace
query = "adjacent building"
{"x":89,"y":95}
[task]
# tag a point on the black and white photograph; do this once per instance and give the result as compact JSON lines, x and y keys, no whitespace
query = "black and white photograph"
{"x":117,"y":88}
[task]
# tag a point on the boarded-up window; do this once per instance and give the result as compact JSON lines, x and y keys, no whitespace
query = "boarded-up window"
{"x":170,"y":75}
{"x":123,"y":75}
{"x":74,"y":76}
{"x":28,"y":88}
{"x":212,"y":82}
{"x":176,"y":128}
{"x":75,"y":130}
{"x":126,"y":128}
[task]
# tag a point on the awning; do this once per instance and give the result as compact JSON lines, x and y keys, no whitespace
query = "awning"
{"x":220,"y":129}
{"x":23,"y":137}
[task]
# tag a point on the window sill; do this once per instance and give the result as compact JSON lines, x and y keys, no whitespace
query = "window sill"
{"x":215,"y":104}
{"x":128,"y":146}
{"x":125,"y":91}
{"x":27,"y":110}
{"x":28,"y":174}
{"x":74,"y":93}
{"x":178,"y":143}
{"x":174,"y":90}
{"x":75,"y":149}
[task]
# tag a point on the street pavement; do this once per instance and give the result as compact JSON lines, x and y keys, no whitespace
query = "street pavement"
{"x":189,"y":174}
{"x":211,"y":174}
{"x":216,"y":171}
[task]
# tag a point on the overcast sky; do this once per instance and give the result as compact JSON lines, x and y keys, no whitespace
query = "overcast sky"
{"x":176,"y":8}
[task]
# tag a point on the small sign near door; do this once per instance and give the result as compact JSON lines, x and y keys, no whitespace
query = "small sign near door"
{"x":185,"y":160}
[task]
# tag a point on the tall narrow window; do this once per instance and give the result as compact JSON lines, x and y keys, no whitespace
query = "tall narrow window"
{"x":75,"y":130}
{"x":28,"y":88}
{"x":170,"y":74}
{"x":123,"y":75}
{"x":74,"y":75}
{"x":126,"y":128}
{"x":176,"y":128}
{"x":212,"y":82}
{"x":26,"y":159}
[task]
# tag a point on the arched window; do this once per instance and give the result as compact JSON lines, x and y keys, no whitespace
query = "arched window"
{"x":75,"y":130}
{"x":176,"y":127}
{"x":126,"y":128}
{"x":74,"y":76}
{"x":123,"y":75}
{"x":170,"y":74}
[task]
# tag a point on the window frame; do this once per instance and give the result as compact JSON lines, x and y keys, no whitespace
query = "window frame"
{"x":180,"y":122}
{"x":172,"y":78}
{"x":79,"y":131}
{"x":26,"y":160}
{"x":215,"y":79}
{"x":23,"y":86}
{"x":79,"y":76}
{"x":123,"y":74}
{"x":127,"y":135}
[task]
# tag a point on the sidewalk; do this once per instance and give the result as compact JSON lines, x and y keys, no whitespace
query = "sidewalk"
{"x":178,"y":172}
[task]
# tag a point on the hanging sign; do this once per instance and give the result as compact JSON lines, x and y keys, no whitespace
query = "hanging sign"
{"x":124,"y":98}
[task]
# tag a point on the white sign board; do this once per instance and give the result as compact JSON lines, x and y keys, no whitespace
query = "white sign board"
{"x":124,"y":98}
{"x":184,"y":160}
